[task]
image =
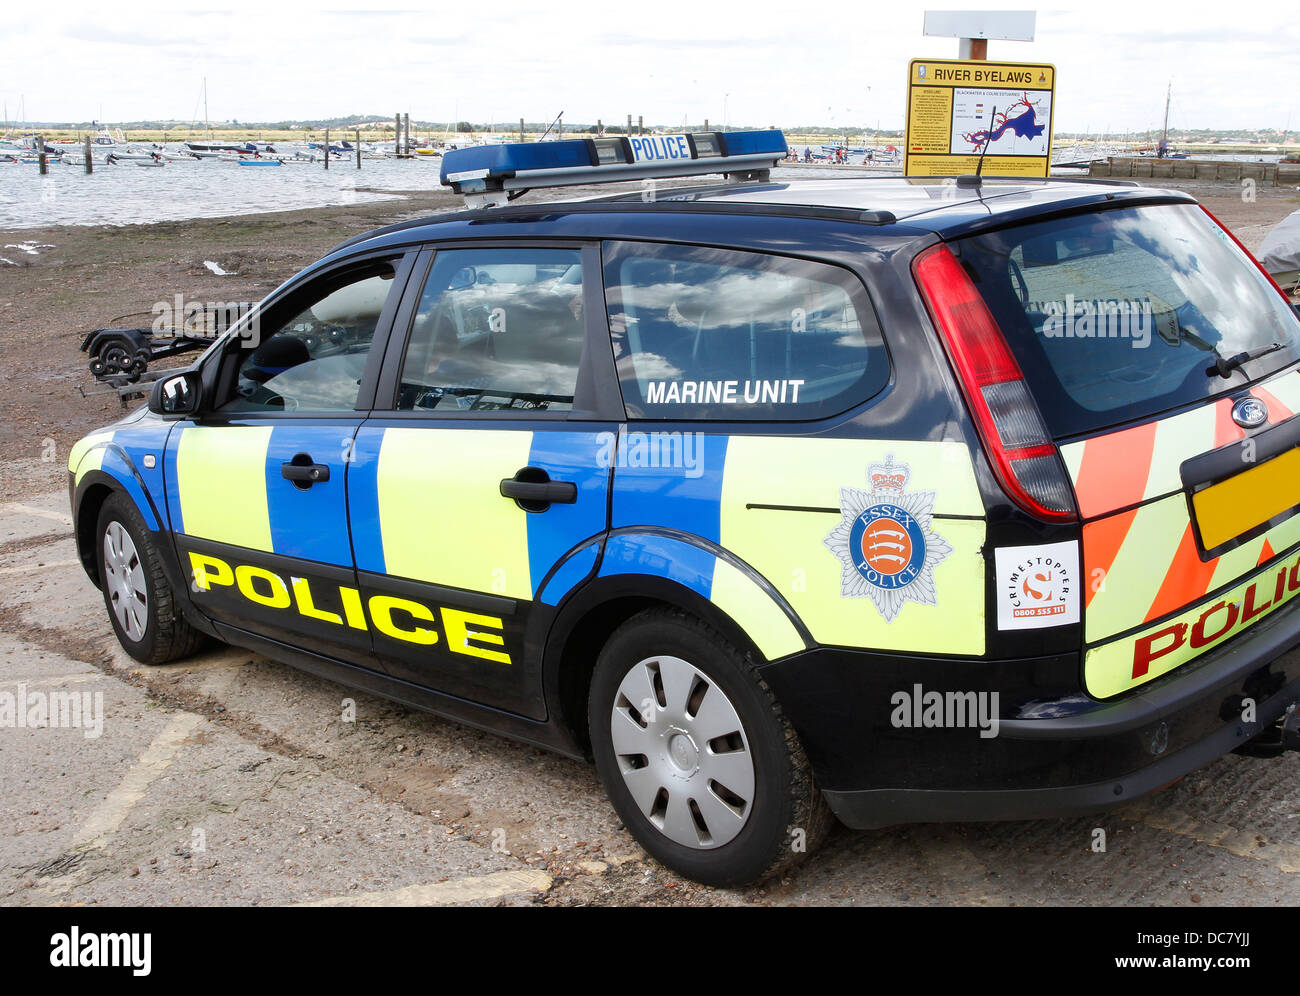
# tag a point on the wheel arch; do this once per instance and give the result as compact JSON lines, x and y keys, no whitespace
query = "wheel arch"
{"x":588,"y":617}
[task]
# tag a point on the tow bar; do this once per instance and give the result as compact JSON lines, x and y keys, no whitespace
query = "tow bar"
{"x":1282,"y":736}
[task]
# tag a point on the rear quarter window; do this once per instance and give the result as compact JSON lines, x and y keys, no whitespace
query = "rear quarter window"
{"x":724,"y":335}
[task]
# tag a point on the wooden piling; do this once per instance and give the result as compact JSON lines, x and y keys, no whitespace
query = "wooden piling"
{"x":43,"y":165}
{"x":358,"y":148}
{"x":406,"y":119}
{"x":90,"y":162}
{"x":640,"y":124}
{"x":327,"y":148}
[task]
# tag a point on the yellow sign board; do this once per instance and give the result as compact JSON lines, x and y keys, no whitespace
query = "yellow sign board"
{"x":958,"y":109}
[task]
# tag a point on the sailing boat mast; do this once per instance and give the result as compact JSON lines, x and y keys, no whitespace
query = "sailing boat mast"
{"x":1164,"y":135}
{"x":206,"y":126}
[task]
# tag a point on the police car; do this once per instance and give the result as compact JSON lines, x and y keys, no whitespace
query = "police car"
{"x":901,"y":500}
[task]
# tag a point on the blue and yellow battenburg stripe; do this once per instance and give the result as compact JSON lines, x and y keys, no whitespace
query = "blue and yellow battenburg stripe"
{"x":743,"y":524}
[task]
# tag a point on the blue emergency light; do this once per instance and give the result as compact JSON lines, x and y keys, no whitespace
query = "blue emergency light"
{"x":488,"y":175}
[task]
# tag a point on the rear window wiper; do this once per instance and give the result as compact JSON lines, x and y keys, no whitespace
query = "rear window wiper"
{"x":1223,"y":366}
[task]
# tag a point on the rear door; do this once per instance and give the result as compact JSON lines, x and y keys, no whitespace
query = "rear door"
{"x":1164,"y":364}
{"x":478,"y":488}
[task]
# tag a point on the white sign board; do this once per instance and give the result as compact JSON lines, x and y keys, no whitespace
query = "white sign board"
{"x":1004,"y":25}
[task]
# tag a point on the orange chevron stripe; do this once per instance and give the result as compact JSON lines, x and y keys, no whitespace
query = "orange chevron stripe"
{"x":1101,"y":545}
{"x":1225,"y":429}
{"x":1266,"y":553}
{"x":1114,"y":469}
{"x":1187,"y":579}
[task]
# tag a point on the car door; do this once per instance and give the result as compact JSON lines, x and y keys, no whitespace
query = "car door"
{"x":478,"y":489}
{"x":256,"y":483}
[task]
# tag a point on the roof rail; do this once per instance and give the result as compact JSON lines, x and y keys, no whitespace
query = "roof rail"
{"x":491,"y":175}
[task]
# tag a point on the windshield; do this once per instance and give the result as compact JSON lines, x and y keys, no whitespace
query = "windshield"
{"x":1119,"y":315}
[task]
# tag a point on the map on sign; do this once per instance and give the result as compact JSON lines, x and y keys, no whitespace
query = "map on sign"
{"x":958,"y":109}
{"x":1012,"y":126}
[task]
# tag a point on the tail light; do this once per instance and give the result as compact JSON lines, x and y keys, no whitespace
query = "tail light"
{"x":1022,"y":454}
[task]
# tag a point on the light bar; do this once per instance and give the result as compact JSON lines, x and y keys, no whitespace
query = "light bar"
{"x":487,"y":174}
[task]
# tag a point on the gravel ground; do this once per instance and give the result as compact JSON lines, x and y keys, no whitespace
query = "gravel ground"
{"x":228,"y":779}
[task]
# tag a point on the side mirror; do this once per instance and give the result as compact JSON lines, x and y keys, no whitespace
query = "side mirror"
{"x":176,"y":395}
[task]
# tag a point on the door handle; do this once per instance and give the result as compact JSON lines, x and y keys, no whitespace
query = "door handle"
{"x":303,"y":471}
{"x":534,"y":491}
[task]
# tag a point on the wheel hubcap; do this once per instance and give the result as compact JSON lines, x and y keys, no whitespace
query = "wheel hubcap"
{"x":124,"y":581}
{"x":683,"y":752}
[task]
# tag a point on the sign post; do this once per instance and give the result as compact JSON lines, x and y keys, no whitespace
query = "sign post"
{"x":958,"y":109}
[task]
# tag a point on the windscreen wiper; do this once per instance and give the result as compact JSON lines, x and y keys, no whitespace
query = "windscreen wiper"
{"x":1223,"y":366}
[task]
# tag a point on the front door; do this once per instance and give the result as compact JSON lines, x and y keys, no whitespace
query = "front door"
{"x":256,"y":485}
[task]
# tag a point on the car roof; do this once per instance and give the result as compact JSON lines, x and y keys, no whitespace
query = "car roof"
{"x":949,"y":207}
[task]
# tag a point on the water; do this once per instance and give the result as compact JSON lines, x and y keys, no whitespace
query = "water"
{"x":126,"y":194}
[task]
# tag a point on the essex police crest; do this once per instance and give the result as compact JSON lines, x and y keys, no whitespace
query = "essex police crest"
{"x":884,"y":541}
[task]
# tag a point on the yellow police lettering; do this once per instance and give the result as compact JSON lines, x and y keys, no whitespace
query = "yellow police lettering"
{"x":381,"y":613}
{"x":278,"y":598}
{"x":208,"y":571}
{"x":352,"y":607}
{"x":456,"y":623}
{"x":302,"y":595}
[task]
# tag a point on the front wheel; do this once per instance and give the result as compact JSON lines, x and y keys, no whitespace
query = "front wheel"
{"x":140,"y":602}
{"x":696,"y":755}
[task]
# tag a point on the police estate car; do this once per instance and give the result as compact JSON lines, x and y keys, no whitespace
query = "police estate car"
{"x":904,"y":500}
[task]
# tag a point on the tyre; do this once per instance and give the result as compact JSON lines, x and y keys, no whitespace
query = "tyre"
{"x":141,"y":604}
{"x":696,"y":755}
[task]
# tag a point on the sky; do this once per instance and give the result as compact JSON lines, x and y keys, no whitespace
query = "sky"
{"x":739,"y":63}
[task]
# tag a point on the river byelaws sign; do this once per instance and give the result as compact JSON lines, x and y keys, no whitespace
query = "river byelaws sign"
{"x":954,"y":108}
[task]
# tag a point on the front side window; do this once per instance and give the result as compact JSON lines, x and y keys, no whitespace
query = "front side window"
{"x":314,"y":360}
{"x":496,"y":330}
{"x":716,"y":334}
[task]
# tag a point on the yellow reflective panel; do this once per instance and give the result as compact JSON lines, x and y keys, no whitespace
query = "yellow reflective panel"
{"x":442,"y":518}
{"x":221,"y":476}
{"x":753,"y":610}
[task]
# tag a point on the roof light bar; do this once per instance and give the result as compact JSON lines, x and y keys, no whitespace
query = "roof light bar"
{"x":489,"y":175}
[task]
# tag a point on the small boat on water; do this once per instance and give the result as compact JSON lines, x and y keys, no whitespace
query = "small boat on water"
{"x":259,"y":162}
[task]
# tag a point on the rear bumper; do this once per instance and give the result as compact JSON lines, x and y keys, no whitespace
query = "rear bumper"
{"x":1051,"y":757}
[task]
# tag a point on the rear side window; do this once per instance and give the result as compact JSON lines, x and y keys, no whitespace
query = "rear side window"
{"x":1118,"y":315}
{"x":717,"y":334}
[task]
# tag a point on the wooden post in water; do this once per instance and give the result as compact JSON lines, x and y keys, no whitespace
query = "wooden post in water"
{"x":629,"y":125}
{"x":706,"y":124}
{"x":40,"y":155}
{"x":90,"y":163}
{"x":640,"y":124}
{"x":406,"y":118}
{"x":327,"y":148}
{"x":521,"y":129}
{"x":358,"y":148}
{"x":397,"y":134}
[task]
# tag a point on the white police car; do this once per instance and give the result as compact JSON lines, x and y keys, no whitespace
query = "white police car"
{"x":906,"y":500}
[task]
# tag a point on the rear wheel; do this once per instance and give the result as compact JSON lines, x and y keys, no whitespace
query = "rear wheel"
{"x":696,"y":754}
{"x":140,"y":602}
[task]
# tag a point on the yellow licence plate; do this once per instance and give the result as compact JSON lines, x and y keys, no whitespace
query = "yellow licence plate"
{"x":1234,"y":507}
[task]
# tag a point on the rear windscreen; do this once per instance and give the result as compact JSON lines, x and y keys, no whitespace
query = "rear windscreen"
{"x":1117,"y":315}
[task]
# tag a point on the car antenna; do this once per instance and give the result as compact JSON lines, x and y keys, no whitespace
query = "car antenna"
{"x":974,"y":181}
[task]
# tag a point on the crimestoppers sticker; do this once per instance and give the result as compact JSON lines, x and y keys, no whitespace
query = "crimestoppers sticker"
{"x":1038,"y":586}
